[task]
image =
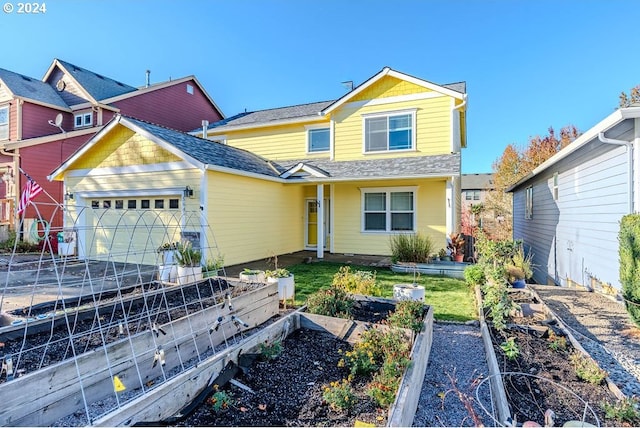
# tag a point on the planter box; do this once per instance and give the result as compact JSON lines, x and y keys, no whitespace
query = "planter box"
{"x":444,"y":268}
{"x":66,"y":248}
{"x":188,"y":274}
{"x":286,"y":287}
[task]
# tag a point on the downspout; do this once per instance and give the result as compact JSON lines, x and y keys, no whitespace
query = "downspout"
{"x":629,"y":146}
{"x":453,"y":109}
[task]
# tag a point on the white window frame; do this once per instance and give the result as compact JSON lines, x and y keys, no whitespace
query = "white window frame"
{"x":308,"y":129}
{"x":388,"y":191}
{"x":189,"y":89}
{"x":528,"y":203}
{"x":388,"y":114}
{"x":86,"y":119}
{"x":4,"y":127}
{"x":555,"y":181}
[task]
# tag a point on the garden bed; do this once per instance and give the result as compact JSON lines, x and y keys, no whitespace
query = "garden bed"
{"x":535,"y":359}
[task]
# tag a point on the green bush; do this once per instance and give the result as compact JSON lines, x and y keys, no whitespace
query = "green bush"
{"x":408,"y":314}
{"x":20,"y":246}
{"x":629,"y":253}
{"x":474,"y":275}
{"x":411,"y":248}
{"x":331,"y":302}
{"x":586,"y":368}
{"x":358,"y":282}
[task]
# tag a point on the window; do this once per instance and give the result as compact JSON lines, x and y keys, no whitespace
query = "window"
{"x":95,"y":204}
{"x":132,"y":204}
{"x":189,"y":89}
{"x":106,"y":204}
{"x":174,"y":204}
{"x":388,"y":210}
{"x":528,"y":204}
{"x":555,"y":186}
{"x":158,"y":204}
{"x":389,"y":132}
{"x":144,"y":204}
{"x":83,"y":119}
{"x":4,"y":123}
{"x":318,"y":140}
{"x":472,"y":195}
{"x":119,"y":204}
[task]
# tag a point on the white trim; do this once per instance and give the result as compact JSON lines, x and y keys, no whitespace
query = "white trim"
{"x":130,"y":169}
{"x":302,"y":167}
{"x":83,"y":116}
{"x":220,"y":139}
{"x":40,"y":103}
{"x":204,"y":215}
{"x":388,"y":190}
{"x":320,"y":222}
{"x":331,"y":226}
{"x":391,"y":100}
{"x":412,"y":112}
{"x":129,"y":193}
{"x":319,"y":126}
{"x":8,"y":108}
{"x":528,"y":203}
{"x":53,"y":137}
{"x":227,"y":128}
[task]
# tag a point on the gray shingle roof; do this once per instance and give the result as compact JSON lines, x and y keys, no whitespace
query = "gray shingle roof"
{"x":34,"y":89}
{"x":458,"y":87}
{"x":209,"y":152}
{"x":477,"y":182}
{"x":98,"y":86}
{"x":414,"y":166}
{"x":270,"y":115}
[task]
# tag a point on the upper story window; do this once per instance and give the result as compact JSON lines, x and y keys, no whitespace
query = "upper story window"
{"x":555,"y":186}
{"x":388,"y":209}
{"x":472,"y":195}
{"x":83,"y":119}
{"x":189,"y":89}
{"x":389,"y":131}
{"x":528,"y":203}
{"x":4,"y":123}
{"x":318,"y":140}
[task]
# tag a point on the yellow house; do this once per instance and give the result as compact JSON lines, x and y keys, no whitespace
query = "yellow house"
{"x":339,"y":176}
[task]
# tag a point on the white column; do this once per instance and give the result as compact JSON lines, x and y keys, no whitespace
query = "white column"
{"x":320,"y":223}
{"x":449,"y":204}
{"x":635,"y":146}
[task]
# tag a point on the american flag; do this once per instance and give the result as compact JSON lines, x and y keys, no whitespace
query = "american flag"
{"x":31,"y":190}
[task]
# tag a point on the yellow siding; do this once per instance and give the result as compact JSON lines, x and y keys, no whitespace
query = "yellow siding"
{"x":348,"y":235}
{"x":254,"y":219}
{"x":276,"y":143}
{"x":433,"y":129}
{"x":389,"y":86}
{"x":123,"y":147}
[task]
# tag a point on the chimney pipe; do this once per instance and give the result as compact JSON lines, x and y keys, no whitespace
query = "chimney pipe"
{"x":205,"y":127}
{"x":148,"y":73}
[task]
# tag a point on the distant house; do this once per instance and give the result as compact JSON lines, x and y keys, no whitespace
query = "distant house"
{"x":567,"y":210}
{"x":43,"y":121}
{"x":475,"y":188}
{"x":339,"y":176}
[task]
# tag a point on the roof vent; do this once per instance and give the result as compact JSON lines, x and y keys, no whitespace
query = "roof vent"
{"x":148,"y":76}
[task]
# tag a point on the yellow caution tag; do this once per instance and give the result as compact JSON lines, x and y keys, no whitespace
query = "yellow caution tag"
{"x":362,"y":424}
{"x":118,"y":385}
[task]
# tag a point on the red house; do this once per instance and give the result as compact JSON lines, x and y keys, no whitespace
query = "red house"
{"x":42,"y":122}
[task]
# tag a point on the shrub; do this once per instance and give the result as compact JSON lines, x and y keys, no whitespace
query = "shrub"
{"x":270,"y":351}
{"x":408,"y":314}
{"x":626,"y":410}
{"x":496,"y":297}
{"x":410,"y":248}
{"x":339,"y":395}
{"x":587,"y":369}
{"x":474,"y":275}
{"x":358,"y":282}
{"x":629,"y":253}
{"x":332,"y":302}
{"x":220,"y":400}
{"x":510,"y":348}
{"x":20,"y":246}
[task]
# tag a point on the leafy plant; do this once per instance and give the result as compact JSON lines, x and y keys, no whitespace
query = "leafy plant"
{"x":358,"y":282}
{"x":629,"y":254}
{"x":248,"y":271}
{"x":20,"y":246}
{"x":339,"y":395}
{"x":270,"y":351}
{"x":278,"y":273}
{"x":442,"y":253}
{"x":212,"y":266}
{"x":510,"y":348}
{"x":408,"y":314}
{"x":474,"y":275}
{"x":410,"y":247}
{"x":332,"y":302}
{"x":220,"y":400}
{"x":557,"y":343}
{"x":586,"y":368}
{"x":520,"y":266}
{"x":186,"y":255}
{"x":168,"y":246}
{"x":496,"y":297}
{"x":625,"y":410}
{"x":455,"y":243}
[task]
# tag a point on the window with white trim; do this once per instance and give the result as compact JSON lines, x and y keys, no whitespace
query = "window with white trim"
{"x":83,"y":119}
{"x":318,"y":140}
{"x":388,"y":209}
{"x":555,"y":186}
{"x":4,"y":123}
{"x":528,"y":203}
{"x":389,"y":132}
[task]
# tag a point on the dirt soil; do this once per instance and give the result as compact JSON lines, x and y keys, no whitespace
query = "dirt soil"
{"x":533,"y":387}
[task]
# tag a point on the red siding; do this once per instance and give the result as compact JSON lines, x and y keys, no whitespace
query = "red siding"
{"x":40,"y":161}
{"x":172,"y":107}
{"x":35,"y":121}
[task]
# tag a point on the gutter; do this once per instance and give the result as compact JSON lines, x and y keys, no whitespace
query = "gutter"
{"x":629,"y":147}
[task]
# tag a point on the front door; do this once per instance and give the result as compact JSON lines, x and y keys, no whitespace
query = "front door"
{"x":311,"y":232}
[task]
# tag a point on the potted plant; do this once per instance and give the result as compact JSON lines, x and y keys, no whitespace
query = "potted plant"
{"x":189,"y":259}
{"x":252,"y":275}
{"x":456,"y":246}
{"x":286,"y":283}
{"x":66,"y":243}
{"x":519,"y":269}
{"x":212,"y":266}
{"x":442,"y":254}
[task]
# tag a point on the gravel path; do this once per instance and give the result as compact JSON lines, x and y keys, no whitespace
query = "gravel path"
{"x":457,"y":353}
{"x":603,"y":328}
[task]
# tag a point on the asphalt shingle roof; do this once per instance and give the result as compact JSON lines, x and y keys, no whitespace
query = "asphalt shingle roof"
{"x":458,"y":87}
{"x":98,"y":86}
{"x":34,"y":89}
{"x":477,"y":182}
{"x":209,"y":152}
{"x":270,"y":115}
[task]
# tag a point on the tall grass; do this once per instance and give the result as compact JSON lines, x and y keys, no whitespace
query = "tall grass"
{"x":410,"y":248}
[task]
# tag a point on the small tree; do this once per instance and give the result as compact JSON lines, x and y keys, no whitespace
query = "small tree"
{"x":629,"y":252}
{"x":631,"y":99}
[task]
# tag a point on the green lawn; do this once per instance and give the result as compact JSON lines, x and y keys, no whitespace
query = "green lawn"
{"x":450,"y":298}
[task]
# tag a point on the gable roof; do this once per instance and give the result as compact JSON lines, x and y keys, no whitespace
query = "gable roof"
{"x":272,"y":116}
{"x":95,"y":85}
{"x":452,"y":90}
{"x":477,"y":182}
{"x":201,"y":153}
{"x":32,"y":89}
{"x":606,"y":124}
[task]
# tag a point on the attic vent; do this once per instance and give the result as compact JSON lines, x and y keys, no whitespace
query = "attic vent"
{"x":189,"y":89}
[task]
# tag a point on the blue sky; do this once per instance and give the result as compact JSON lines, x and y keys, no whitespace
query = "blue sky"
{"x":528,"y":64}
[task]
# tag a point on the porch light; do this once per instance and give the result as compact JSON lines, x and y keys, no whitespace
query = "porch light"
{"x":188,"y":192}
{"x":68,"y":195}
